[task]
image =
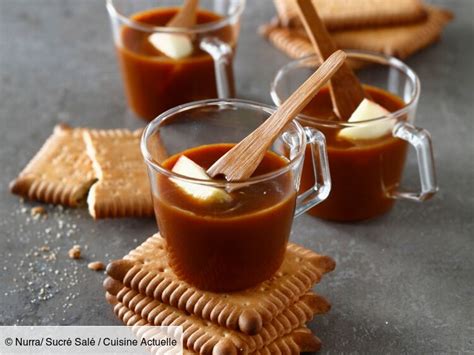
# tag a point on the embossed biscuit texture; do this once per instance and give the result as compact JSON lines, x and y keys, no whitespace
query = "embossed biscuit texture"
{"x":146,"y":271}
{"x":60,"y":173}
{"x":289,"y":41}
{"x":399,"y":41}
{"x":122,"y":189}
{"x":298,"y":340}
{"x":201,"y":335}
{"x":344,"y":14}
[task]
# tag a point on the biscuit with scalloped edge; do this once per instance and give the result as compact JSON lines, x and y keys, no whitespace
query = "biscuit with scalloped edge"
{"x":399,"y":41}
{"x":344,"y":14}
{"x":60,"y":173}
{"x":198,"y":337}
{"x":146,"y":270}
{"x":160,"y":314}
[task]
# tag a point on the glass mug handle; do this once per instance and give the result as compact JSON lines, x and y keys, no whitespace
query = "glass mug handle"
{"x":322,"y":178}
{"x":221,"y":53}
{"x":420,"y":139}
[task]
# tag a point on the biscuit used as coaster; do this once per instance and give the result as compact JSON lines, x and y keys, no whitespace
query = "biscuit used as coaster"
{"x":298,"y":341}
{"x":122,"y":189}
{"x":60,"y":173}
{"x":205,"y":337}
{"x":344,"y":14}
{"x":146,"y":271}
{"x":399,"y":41}
{"x":211,"y":335}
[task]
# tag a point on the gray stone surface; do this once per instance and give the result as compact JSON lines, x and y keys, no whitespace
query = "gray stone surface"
{"x":403,"y":283}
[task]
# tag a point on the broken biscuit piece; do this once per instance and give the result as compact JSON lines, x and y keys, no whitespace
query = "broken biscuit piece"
{"x":75,"y":252}
{"x":122,"y":189}
{"x":38,"y":211}
{"x":96,"y":266}
{"x":60,"y":173}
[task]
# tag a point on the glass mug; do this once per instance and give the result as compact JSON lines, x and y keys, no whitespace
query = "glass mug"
{"x":366,"y":173}
{"x":229,"y":247}
{"x":154,"y":82}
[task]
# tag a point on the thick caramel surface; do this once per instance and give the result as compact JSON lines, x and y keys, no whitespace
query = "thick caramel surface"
{"x":363,"y":173}
{"x":231,"y":245}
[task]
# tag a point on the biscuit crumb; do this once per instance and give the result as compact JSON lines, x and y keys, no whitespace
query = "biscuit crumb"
{"x":50,"y":257}
{"x":38,"y":211}
{"x":39,"y":275}
{"x":96,"y":266}
{"x":75,"y":252}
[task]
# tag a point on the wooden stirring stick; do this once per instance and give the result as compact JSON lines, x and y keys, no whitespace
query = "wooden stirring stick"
{"x":240,"y":162}
{"x":177,"y":45}
{"x":346,"y":90}
{"x":186,"y":17}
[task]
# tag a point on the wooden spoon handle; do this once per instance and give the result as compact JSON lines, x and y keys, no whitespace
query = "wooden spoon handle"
{"x":298,"y":100}
{"x":186,"y":17}
{"x":346,"y":90}
{"x":240,"y":162}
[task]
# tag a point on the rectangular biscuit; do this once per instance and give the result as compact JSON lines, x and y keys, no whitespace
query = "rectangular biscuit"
{"x":350,"y":14}
{"x":210,"y":335}
{"x":122,"y":189}
{"x":399,"y":41}
{"x":204,"y":338}
{"x":146,"y":271}
{"x":60,"y":173}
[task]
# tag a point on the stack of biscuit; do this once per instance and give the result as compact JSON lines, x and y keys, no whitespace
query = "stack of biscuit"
{"x":270,"y":318}
{"x":398,"y":28}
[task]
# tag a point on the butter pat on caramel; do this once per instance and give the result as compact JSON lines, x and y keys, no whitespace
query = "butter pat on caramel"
{"x":186,"y":167}
{"x":366,"y":111}
{"x":173,"y":45}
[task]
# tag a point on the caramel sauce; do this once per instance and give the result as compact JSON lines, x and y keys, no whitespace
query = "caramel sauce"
{"x":363,"y":173}
{"x":226,"y":246}
{"x":155,"y":82}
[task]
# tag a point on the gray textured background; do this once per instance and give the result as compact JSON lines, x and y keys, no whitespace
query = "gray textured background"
{"x":403,"y":283}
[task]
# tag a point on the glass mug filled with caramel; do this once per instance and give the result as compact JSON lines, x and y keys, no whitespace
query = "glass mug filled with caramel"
{"x":366,"y":157}
{"x":164,"y":66}
{"x":226,"y":236}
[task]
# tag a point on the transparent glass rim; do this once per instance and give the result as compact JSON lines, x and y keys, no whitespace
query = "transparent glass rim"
{"x":372,"y":57}
{"x":205,"y":27}
{"x":154,"y":125}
